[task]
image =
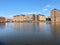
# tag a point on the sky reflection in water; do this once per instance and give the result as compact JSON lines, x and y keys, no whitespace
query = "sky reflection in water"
{"x":42,"y":33}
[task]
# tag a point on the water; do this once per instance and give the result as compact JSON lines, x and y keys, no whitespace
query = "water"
{"x":43,"y":33}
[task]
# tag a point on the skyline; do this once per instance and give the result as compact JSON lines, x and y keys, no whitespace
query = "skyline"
{"x":10,"y":8}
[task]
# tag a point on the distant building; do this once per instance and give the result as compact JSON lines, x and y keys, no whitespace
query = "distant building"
{"x":42,"y":17}
{"x":9,"y":20}
{"x":2,"y":19}
{"x":18,"y":18}
{"x":35,"y":17}
{"x":55,"y":15}
{"x":29,"y":17}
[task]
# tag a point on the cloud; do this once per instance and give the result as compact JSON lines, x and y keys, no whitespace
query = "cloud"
{"x":30,"y":12}
{"x":46,"y":7}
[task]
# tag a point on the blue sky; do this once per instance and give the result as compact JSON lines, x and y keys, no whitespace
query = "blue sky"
{"x":9,"y":8}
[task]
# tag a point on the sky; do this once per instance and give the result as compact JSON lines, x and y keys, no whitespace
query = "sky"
{"x":10,"y":8}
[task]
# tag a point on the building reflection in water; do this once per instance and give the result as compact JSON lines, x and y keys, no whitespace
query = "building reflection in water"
{"x":42,"y":26}
{"x":18,"y":26}
{"x":37,"y":33}
{"x":23,"y":27}
{"x":55,"y":29}
{"x":29,"y":27}
{"x":2,"y":25}
{"x":38,"y":26}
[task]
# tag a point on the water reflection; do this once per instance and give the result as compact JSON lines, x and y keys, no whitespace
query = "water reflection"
{"x":29,"y":27}
{"x":39,"y":33}
{"x":2,"y":25}
{"x":1,"y":43}
{"x":18,"y":26}
{"x":55,"y":28}
{"x":23,"y":27}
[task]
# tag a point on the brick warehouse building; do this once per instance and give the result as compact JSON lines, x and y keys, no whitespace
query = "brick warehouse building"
{"x":29,"y":17}
{"x":55,"y":15}
{"x":2,"y":19}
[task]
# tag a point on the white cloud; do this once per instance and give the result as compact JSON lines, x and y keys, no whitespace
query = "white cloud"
{"x":46,"y":7}
{"x":30,"y":12}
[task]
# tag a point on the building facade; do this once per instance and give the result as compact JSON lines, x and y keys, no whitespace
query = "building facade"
{"x":18,"y":18}
{"x":35,"y":17}
{"x":9,"y":20}
{"x":42,"y":18}
{"x":29,"y":17}
{"x":2,"y":19}
{"x":55,"y":15}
